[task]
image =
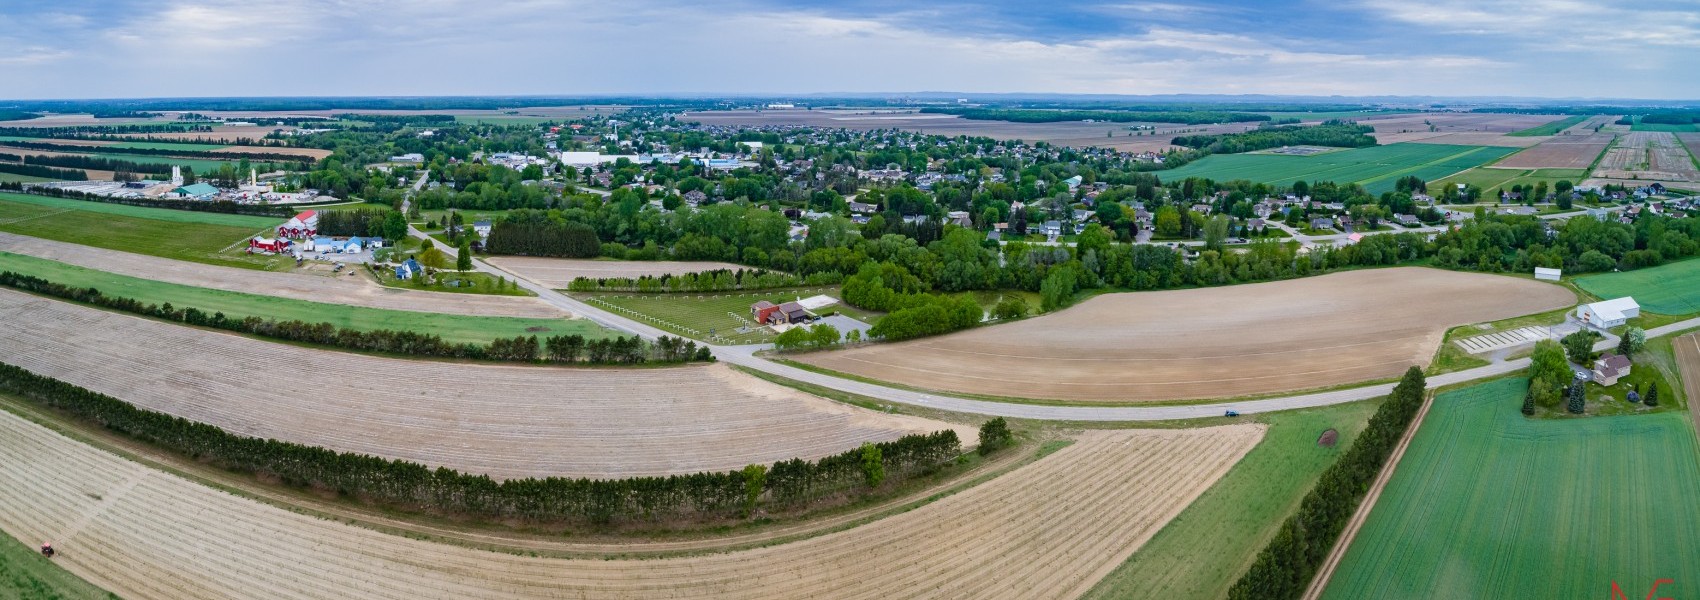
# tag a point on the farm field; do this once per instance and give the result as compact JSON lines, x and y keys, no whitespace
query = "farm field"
{"x":1532,"y":508}
{"x":1049,"y":529}
{"x":354,"y":290}
{"x":1551,"y":128}
{"x":1493,"y":178}
{"x":1648,"y":156}
{"x":556,"y":273}
{"x":1685,"y":351}
{"x":1065,"y":133}
{"x":1665,"y":127}
{"x":1485,"y":129}
{"x":697,"y":315}
{"x":190,"y":146}
{"x":1209,"y":343}
{"x":14,"y":177}
{"x":199,"y":165}
{"x":1668,"y":289}
{"x":25,"y":573}
{"x":1376,"y":168}
{"x":504,"y":421}
{"x":1560,"y":152}
{"x":454,"y":328}
{"x":209,"y":238}
{"x":1204,"y":550}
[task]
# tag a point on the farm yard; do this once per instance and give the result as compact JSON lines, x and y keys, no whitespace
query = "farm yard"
{"x":1648,"y":156}
{"x":1560,"y":152}
{"x":504,"y":421}
{"x":1201,"y":552}
{"x":1209,"y":343}
{"x":1376,"y":168}
{"x":1049,"y":529}
{"x":713,"y":318}
{"x":1668,"y":289}
{"x":453,"y":328}
{"x":210,"y":238}
{"x":556,"y":273}
{"x":306,"y":284}
{"x":1533,"y":508}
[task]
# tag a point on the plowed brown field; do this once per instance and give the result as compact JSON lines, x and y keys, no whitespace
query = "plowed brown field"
{"x":1209,"y":343}
{"x":1047,"y":530}
{"x":1648,"y":156}
{"x":1560,"y":152}
{"x":354,"y":291}
{"x":505,"y":421}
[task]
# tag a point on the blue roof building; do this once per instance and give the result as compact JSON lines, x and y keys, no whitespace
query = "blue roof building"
{"x":407,"y":269}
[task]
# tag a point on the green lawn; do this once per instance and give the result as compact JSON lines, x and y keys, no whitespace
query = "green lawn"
{"x":1206,"y":549}
{"x":209,"y":238}
{"x":454,"y":282}
{"x":1489,"y":179}
{"x":455,"y":328}
{"x":1376,"y":168}
{"x":1668,"y":289}
{"x":1489,"y":504}
{"x":26,"y":574}
{"x":695,"y":315}
{"x":1551,"y":128}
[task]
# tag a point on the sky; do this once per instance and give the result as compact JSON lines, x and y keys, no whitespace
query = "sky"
{"x":176,"y":48}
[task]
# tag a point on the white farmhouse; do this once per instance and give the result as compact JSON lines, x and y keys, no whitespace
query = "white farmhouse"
{"x":1608,"y":313}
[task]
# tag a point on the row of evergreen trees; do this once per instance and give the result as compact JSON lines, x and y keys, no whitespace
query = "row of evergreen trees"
{"x":98,"y":163}
{"x":47,"y":172}
{"x":534,"y":233}
{"x":412,"y":486}
{"x":295,"y":161}
{"x":719,"y":280}
{"x":1286,"y":566}
{"x":350,"y":222}
{"x":556,"y":349}
{"x":215,"y":206}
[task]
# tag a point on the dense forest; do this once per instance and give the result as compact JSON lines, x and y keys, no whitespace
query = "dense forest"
{"x":1333,"y":133}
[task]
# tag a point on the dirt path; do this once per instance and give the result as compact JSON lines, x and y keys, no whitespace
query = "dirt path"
{"x":357,"y":291}
{"x":1047,"y":530}
{"x":1319,"y":583}
{"x":504,"y":421}
{"x":1220,"y":342}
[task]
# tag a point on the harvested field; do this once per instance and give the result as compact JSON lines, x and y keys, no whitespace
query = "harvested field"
{"x":313,"y":153}
{"x":1047,"y":530}
{"x":505,"y":421}
{"x":1209,"y":343}
{"x":220,"y":133}
{"x":1648,"y":156}
{"x":1434,"y":127}
{"x":1560,"y":152}
{"x":355,"y":291}
{"x":558,"y":272}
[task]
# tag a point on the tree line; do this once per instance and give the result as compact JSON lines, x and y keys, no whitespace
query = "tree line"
{"x":1333,"y":133}
{"x":416,"y":487}
{"x":1285,"y":567}
{"x":535,"y":233}
{"x":296,"y":161}
{"x":47,"y":172}
{"x":570,"y":349}
{"x":98,"y":163}
{"x":1020,"y":115}
{"x":212,"y":206}
{"x":718,"y":280}
{"x":352,"y":222}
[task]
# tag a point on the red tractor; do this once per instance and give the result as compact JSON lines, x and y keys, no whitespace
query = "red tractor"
{"x":47,"y":549}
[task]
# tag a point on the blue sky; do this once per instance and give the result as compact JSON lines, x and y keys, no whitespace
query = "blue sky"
{"x":1548,"y":48}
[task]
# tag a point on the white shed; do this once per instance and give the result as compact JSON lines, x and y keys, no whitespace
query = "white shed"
{"x":1548,"y":274}
{"x":1606,"y":314}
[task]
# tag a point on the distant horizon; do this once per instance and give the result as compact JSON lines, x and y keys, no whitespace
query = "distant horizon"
{"x":117,"y":49}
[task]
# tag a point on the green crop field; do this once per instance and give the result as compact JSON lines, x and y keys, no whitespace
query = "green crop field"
{"x":1673,"y":128}
{"x":25,"y":573}
{"x":152,"y":145}
{"x":507,"y":120}
{"x":1489,"y":179}
{"x":1315,"y":115}
{"x":1204,"y":550}
{"x":14,"y":177}
{"x":176,"y":234}
{"x":200,"y":165}
{"x":1489,"y":504}
{"x":454,"y":328}
{"x":1376,"y":168}
{"x":694,"y":315}
{"x":1551,"y":128}
{"x":1668,"y":289}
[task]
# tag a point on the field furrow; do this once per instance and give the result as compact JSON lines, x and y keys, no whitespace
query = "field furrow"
{"x":1047,"y":530}
{"x":505,"y":421}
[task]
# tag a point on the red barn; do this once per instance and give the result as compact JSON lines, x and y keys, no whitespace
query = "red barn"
{"x":760,"y":311}
{"x":302,"y":225}
{"x":274,"y":245}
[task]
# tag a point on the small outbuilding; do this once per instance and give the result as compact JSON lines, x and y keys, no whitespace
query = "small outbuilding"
{"x":1607,"y":314}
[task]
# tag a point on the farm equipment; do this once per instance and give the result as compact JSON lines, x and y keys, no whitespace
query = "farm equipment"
{"x":1231,"y":413}
{"x":47,"y":549}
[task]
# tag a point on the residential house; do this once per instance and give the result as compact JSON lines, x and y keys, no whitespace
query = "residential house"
{"x":761,"y":311}
{"x":408,"y":269}
{"x":482,"y":228}
{"x":1407,"y":220}
{"x":1051,"y":229}
{"x":1322,"y":223}
{"x":695,"y":197}
{"x":863,"y":208}
{"x":1608,"y":368}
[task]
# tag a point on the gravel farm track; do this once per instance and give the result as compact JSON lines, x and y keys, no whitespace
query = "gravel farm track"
{"x":558,"y":272}
{"x":1222,"y":342}
{"x":1050,"y":529}
{"x":354,"y":291}
{"x":504,"y":421}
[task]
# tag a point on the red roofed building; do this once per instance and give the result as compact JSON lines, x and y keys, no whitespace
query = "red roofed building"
{"x":303,"y":225}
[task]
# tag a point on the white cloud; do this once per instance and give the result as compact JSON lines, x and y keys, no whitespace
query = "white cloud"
{"x":1570,"y":24}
